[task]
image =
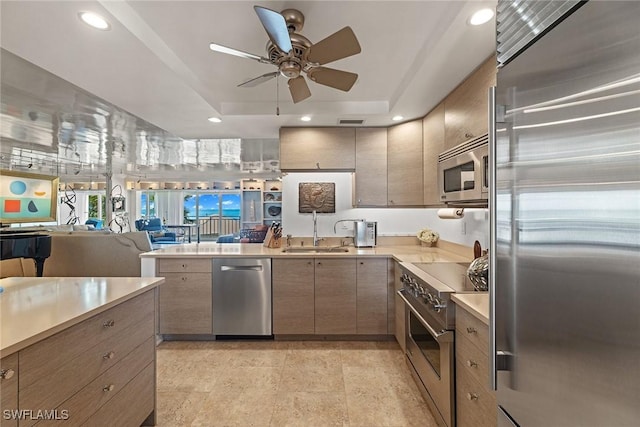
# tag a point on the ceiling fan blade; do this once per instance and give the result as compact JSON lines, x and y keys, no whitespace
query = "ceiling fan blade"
{"x":338,"y":45}
{"x":299,"y":89}
{"x":258,"y":80}
{"x":276,"y":27}
{"x":337,"y":79}
{"x":223,"y":49}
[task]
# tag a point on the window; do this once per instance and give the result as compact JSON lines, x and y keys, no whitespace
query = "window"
{"x":148,"y":204}
{"x":97,"y":206}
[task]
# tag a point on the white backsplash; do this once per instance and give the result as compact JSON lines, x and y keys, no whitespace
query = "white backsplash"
{"x":391,"y":222}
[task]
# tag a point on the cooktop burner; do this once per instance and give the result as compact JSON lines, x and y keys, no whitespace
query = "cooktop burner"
{"x":452,"y":274}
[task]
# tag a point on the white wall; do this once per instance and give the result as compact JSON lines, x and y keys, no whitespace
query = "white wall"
{"x":391,"y":222}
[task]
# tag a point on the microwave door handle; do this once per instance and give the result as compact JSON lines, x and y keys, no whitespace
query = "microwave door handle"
{"x":441,"y":337}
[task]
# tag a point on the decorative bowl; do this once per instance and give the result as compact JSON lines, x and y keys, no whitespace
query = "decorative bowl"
{"x":274,"y":210}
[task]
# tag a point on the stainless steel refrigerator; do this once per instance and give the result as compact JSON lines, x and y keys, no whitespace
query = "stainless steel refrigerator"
{"x":565,"y":221}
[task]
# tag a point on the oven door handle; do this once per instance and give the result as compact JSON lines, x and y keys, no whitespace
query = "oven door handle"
{"x":441,"y":337}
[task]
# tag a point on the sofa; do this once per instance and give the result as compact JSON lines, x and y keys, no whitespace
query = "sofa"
{"x":157,"y":233}
{"x":86,"y":254}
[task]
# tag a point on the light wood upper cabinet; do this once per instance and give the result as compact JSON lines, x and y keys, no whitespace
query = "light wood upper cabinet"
{"x":335,"y":296}
{"x":433,"y":144}
{"x":405,"y":162}
{"x":466,"y":107}
{"x":313,"y":149}
{"x":370,"y":181}
{"x":372,"y":283}
{"x":293,"y":296}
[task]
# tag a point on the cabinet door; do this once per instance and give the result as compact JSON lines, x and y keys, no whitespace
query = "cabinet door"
{"x":335,"y":296}
{"x":404,"y":170}
{"x":317,"y":148}
{"x":9,"y":387}
{"x":371,"y":167}
{"x":186,"y":304}
{"x":372,"y":295}
{"x":433,"y":144}
{"x":466,"y":107}
{"x":293,"y":294}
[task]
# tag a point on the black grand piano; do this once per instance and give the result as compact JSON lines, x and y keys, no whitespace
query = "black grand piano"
{"x":27,"y":244}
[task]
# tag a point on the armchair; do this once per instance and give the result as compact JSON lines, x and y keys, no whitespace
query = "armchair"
{"x":157,"y":233}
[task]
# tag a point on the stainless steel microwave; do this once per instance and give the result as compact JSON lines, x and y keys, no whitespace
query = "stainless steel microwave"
{"x":463,"y":172}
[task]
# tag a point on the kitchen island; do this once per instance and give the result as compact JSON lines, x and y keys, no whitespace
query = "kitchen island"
{"x":78,"y":349}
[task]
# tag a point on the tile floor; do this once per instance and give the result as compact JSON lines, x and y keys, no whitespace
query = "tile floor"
{"x":284,"y":383}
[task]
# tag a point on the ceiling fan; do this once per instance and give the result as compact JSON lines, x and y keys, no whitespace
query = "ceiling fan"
{"x":294,"y":54}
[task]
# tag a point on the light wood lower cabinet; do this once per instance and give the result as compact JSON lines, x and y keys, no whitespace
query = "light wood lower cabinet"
{"x":371,"y":300}
{"x":331,"y":296}
{"x":293,"y":296}
{"x":8,"y":389}
{"x":476,"y":404}
{"x":76,"y":374}
{"x":186,"y":299}
{"x":335,"y":296}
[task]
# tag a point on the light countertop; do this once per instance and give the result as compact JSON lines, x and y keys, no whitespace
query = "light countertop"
{"x":402,"y":253}
{"x":477,"y":304}
{"x":34,"y":308}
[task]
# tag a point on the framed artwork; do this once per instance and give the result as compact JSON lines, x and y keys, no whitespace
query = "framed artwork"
{"x":317,"y":196}
{"x":27,"y":197}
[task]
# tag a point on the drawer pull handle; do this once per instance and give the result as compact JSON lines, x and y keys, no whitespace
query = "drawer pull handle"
{"x":471,"y":330}
{"x":109,"y":387}
{"x":184,"y":265}
{"x":472,"y":396}
{"x":472,"y":364}
{"x":109,"y":323}
{"x":109,"y":355}
{"x":6,"y":374}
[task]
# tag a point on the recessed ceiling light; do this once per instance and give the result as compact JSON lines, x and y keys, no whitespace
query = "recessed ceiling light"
{"x":215,"y":119}
{"x":397,"y":118}
{"x":480,"y":17}
{"x":305,"y":118}
{"x":95,"y":20}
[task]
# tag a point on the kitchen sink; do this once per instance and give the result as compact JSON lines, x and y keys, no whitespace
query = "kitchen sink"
{"x":315,"y":249}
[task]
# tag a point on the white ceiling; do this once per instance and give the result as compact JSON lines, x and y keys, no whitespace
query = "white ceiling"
{"x":155,"y":63}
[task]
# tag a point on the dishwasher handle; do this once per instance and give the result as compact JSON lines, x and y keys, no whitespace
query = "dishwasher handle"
{"x":241,"y":268}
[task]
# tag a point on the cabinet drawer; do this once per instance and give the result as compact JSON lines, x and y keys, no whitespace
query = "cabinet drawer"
{"x":41,"y":359}
{"x":475,"y":361}
{"x":131,"y":406}
{"x":476,"y":405}
{"x":64,"y":381}
{"x":188,"y":265}
{"x":473,"y":329}
{"x":8,"y":388}
{"x":102,"y":389}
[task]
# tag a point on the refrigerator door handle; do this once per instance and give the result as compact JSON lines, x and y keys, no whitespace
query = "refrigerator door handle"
{"x":492,"y":240}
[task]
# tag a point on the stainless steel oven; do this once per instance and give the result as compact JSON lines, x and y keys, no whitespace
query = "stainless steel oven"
{"x":463,"y":172}
{"x":431,"y":355}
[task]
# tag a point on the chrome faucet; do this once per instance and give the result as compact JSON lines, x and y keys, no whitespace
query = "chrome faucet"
{"x":316,"y":241}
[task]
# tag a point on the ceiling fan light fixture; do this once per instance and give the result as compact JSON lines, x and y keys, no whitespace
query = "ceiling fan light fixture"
{"x":94,"y":20}
{"x":480,"y":17}
{"x":215,"y":119}
{"x":397,"y":118}
{"x":305,"y":118}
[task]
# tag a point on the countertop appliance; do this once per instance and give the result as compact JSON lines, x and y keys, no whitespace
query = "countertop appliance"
{"x":463,"y":173}
{"x":430,"y":324}
{"x":565,"y":222}
{"x":242,"y":297}
{"x":365,"y":234}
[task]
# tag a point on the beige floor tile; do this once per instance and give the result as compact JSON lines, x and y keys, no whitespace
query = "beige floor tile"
{"x":312,"y":378}
{"x":307,"y":409}
{"x":315,"y":355}
{"x":242,"y":408}
{"x":262,"y":379}
{"x":176,"y":408}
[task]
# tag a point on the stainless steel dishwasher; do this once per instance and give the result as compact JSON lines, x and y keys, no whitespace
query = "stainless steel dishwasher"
{"x":242,"y":296}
